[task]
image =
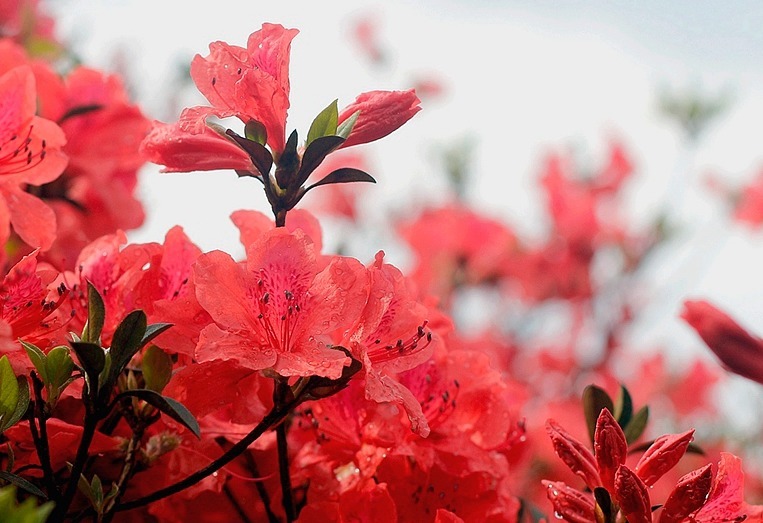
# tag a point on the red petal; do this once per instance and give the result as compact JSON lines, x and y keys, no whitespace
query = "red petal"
{"x":181,"y":148}
{"x":32,"y":219}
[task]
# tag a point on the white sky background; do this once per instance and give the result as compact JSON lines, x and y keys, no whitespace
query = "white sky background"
{"x":521,"y":77}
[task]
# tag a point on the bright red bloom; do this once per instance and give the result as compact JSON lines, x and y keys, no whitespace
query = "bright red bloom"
{"x":391,"y":337}
{"x":251,"y":83}
{"x":30,"y":154}
{"x":739,"y":351}
{"x":275,"y":311}
{"x":381,"y":112}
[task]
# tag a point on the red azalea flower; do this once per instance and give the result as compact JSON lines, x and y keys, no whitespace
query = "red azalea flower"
{"x":30,"y":154}
{"x":275,"y":311}
{"x":391,"y":336}
{"x":740,"y":351}
{"x":251,"y":83}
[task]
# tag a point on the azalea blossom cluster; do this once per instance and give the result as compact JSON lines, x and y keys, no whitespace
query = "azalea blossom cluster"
{"x":157,"y":382}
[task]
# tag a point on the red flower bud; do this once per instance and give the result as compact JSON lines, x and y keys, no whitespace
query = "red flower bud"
{"x":688,"y":495}
{"x":632,"y":495}
{"x":610,"y":448}
{"x":574,"y":454}
{"x":662,"y":455}
{"x":570,"y":504}
{"x":740,"y":351}
{"x":381,"y":112}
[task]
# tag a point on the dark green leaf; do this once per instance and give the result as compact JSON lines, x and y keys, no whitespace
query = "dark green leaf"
{"x":324,"y":124}
{"x":345,"y":128}
{"x":152,"y":331}
{"x":168,"y":406}
{"x":38,"y":359}
{"x":693,"y":448}
{"x":344,"y":175}
{"x":260,"y":156}
{"x":127,"y":340}
{"x":603,"y":511}
{"x":256,"y":132}
{"x":92,"y":358}
{"x":21,"y":405}
{"x":595,"y":399}
{"x":22,"y":484}
{"x":623,"y":407}
{"x":314,"y":155}
{"x":288,"y":163}
{"x":96,"y":313}
{"x":636,"y":425}
{"x":157,"y":368}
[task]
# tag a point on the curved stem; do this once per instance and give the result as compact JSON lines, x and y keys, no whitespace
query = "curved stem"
{"x":276,"y":415}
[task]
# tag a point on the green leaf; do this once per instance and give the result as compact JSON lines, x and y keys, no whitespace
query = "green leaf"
{"x":324,"y":124}
{"x":635,"y":427}
{"x":260,"y":156}
{"x":603,"y":509}
{"x":157,"y":368}
{"x":9,"y":392}
{"x":21,"y":405}
{"x":38,"y":360}
{"x":288,"y":163}
{"x":595,"y":399}
{"x":22,"y":484}
{"x":96,"y":314}
{"x":345,"y":128}
{"x":172,"y":408}
{"x":314,"y":155}
{"x":623,"y":407}
{"x":256,"y":132}
{"x":92,"y":359}
{"x":24,"y":512}
{"x":154,"y":330}
{"x":344,"y":175}
{"x":127,"y":340}
{"x":59,"y":366}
